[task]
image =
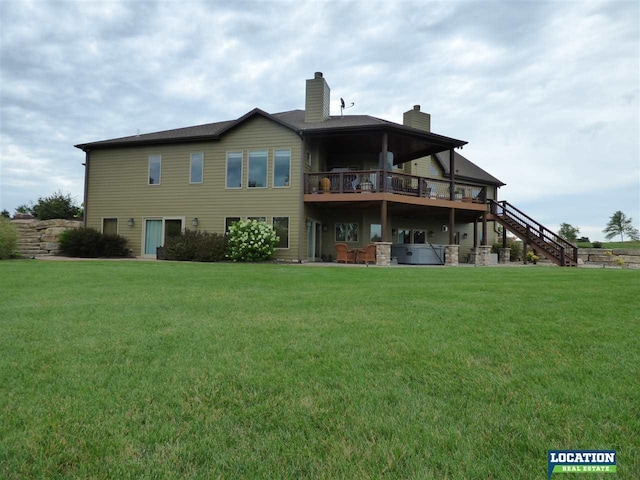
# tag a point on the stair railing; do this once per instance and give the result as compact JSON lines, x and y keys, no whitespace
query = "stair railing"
{"x":532,"y":228}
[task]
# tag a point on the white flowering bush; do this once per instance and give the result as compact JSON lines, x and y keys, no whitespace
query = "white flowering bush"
{"x":251,"y":241}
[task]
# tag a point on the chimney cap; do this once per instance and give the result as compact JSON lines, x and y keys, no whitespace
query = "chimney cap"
{"x":416,"y":107}
{"x":317,"y":75}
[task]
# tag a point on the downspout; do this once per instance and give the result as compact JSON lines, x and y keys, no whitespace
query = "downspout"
{"x":86,"y":187}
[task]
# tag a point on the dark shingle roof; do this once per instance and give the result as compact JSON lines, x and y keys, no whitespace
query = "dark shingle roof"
{"x":466,"y":168}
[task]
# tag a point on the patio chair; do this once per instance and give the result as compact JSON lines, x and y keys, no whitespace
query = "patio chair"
{"x":345,"y":254}
{"x":367,"y":254}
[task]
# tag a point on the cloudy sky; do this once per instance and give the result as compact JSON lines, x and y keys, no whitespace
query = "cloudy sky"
{"x":546,"y":93}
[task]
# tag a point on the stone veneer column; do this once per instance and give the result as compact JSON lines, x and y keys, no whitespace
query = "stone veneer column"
{"x":484,"y":255}
{"x":505,"y":255}
{"x":474,"y":256}
{"x":451,"y":255}
{"x":383,"y":253}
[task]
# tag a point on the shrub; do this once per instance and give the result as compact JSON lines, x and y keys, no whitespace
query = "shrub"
{"x":596,"y":244}
{"x":90,"y":243}
{"x":251,"y":241}
{"x":514,"y":245}
{"x":532,"y":257}
{"x":196,"y":246}
{"x":114,"y":246}
{"x":8,"y":239}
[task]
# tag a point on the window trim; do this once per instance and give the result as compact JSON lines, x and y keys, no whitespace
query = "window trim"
{"x":159,"y":158}
{"x":191,"y":182}
{"x":274,"y":168}
{"x":266,"y":172}
{"x":226,"y":170}
{"x":288,"y":247}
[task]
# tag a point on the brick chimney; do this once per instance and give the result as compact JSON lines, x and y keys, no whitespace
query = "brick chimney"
{"x":316,"y":108}
{"x":417,"y":119}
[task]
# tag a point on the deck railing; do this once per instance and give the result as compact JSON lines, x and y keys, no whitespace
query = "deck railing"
{"x":391,"y":182}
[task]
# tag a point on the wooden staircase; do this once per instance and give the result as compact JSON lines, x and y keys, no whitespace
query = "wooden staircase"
{"x":535,"y":235}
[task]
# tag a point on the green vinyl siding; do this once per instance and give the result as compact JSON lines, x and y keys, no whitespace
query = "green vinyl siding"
{"x":118,"y":184}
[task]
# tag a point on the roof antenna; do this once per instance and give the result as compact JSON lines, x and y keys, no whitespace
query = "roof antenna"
{"x":342,"y":107}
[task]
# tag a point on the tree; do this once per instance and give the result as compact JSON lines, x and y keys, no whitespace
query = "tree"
{"x":58,"y":205}
{"x":569,"y":232}
{"x":5,"y":213}
{"x":24,"y":208}
{"x":620,"y":224}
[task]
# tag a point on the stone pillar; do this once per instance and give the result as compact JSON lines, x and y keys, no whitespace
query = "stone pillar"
{"x":451,"y":255}
{"x":505,"y":255}
{"x":383,"y":253}
{"x":484,"y":255}
{"x":474,"y":256}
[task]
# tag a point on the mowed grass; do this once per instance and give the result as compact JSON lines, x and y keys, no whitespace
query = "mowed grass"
{"x":175,"y":370}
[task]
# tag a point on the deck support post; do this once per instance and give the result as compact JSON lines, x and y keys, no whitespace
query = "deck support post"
{"x":383,"y":222}
{"x":484,"y":228}
{"x":475,"y":233}
{"x":504,"y":237}
{"x":452,"y":223}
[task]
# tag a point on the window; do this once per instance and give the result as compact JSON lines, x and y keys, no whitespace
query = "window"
{"x":110,"y":226}
{"x":258,"y":219}
{"x":281,"y":168}
{"x":404,"y":236}
{"x":309,"y":158}
{"x":281,"y":226}
{"x":230,"y":221}
{"x":234,"y":170}
{"x":346,"y":232}
{"x":197,"y":164}
{"x":375,"y":233}
{"x":419,"y":236}
{"x":155,"y":167}
{"x":258,"y":169}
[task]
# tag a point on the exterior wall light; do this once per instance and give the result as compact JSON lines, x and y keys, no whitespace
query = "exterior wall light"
{"x":465,"y":236}
{"x":194,"y":222}
{"x":131,"y":222}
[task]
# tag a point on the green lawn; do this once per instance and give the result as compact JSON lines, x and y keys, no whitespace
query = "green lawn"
{"x":167,"y":370}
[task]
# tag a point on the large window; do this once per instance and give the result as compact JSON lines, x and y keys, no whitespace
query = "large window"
{"x":234,"y":170}
{"x":258,"y":169}
{"x":230,"y":221}
{"x":281,"y":226}
{"x":281,"y":168}
{"x":155,"y":168}
{"x":197,"y":164}
{"x":375,"y":233}
{"x":346,"y":232}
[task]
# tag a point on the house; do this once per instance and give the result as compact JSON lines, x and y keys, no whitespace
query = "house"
{"x":319,"y":179}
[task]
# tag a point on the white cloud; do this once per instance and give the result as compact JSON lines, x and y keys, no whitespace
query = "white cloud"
{"x":546,"y":93}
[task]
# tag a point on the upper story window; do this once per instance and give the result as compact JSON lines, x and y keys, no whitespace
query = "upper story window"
{"x":258,"y":169}
{"x":234,"y":169}
{"x":281,"y":168}
{"x":155,"y":168}
{"x":196,"y":169}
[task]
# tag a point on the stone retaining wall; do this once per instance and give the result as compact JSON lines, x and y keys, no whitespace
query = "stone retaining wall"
{"x":40,"y":237}
{"x":604,"y":257}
